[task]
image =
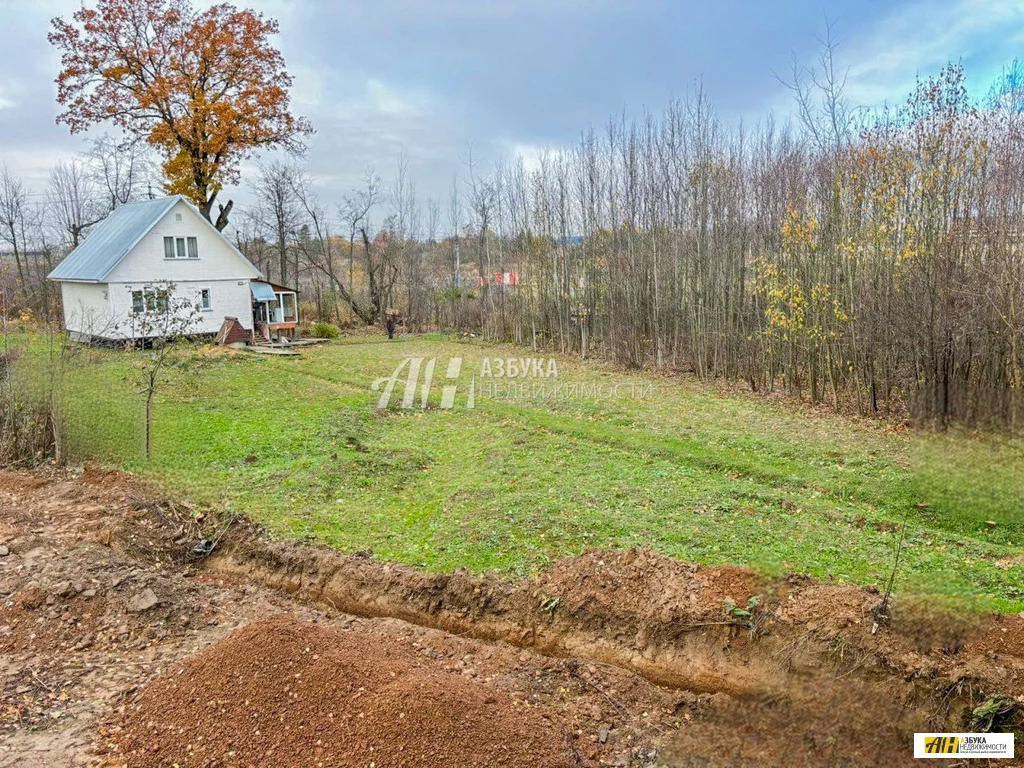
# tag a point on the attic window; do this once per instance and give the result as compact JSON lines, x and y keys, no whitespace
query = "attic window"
{"x":177,"y":217}
{"x":181,"y":248}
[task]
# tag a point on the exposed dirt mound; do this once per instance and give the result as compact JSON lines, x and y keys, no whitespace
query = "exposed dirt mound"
{"x":643,"y":582}
{"x":295,"y":694}
{"x":1004,"y":640}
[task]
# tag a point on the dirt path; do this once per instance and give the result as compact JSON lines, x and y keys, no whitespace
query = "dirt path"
{"x":606,"y":659}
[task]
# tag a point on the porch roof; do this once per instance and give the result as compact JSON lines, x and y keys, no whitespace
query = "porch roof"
{"x":262,"y":291}
{"x":282,"y":288}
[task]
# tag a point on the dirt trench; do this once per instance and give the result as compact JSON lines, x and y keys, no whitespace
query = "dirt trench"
{"x":113,"y":644}
{"x":808,"y":674}
{"x":662,"y":619}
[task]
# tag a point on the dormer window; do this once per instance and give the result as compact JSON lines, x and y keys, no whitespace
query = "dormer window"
{"x":181,"y":248}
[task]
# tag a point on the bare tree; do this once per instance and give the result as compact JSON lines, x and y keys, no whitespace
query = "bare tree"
{"x":355,"y":211}
{"x":163,"y":318}
{"x":120,"y":168}
{"x":455,"y":228}
{"x":406,"y":245}
{"x":318,"y":248}
{"x":279,"y":211}
{"x":74,"y":200}
{"x":14,"y":221}
{"x":483,"y":193}
{"x":819,"y":92}
{"x":250,"y":232}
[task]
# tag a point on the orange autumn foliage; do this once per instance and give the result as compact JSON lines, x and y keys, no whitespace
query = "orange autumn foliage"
{"x":205,"y":88}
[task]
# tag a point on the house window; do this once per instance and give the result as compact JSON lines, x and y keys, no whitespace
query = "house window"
{"x":181,"y":248}
{"x":149,"y":300}
{"x":288,"y":307}
{"x":156,"y":300}
{"x":204,"y":299}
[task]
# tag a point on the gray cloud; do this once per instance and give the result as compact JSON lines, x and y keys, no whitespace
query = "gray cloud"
{"x":431,"y":77}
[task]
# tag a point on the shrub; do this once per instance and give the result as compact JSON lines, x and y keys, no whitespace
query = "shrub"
{"x":322,"y":330}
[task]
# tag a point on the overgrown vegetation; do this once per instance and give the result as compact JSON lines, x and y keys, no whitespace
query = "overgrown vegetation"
{"x":702,"y":475}
{"x":997,"y":714}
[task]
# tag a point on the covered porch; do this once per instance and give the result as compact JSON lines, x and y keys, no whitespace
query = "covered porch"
{"x":275,"y":310}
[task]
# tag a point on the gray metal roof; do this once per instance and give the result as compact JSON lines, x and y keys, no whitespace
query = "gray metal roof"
{"x":112,"y":239}
{"x":262,"y":291}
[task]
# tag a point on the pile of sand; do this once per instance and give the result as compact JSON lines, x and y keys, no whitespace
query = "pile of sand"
{"x":285,"y":693}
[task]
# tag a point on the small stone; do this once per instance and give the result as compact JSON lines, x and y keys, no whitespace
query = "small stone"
{"x":4,"y":550}
{"x":64,"y":589}
{"x":143,"y":601}
{"x":602,"y":735}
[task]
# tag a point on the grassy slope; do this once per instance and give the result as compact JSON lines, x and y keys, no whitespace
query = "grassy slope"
{"x":699,"y":475}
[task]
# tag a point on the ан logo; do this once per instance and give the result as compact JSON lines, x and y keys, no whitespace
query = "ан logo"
{"x":417,"y":375}
{"x":944,"y":745}
{"x":961,"y":745}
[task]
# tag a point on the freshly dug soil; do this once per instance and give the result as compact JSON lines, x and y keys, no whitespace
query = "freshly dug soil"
{"x":289,"y":693}
{"x":642,"y":581}
{"x":606,"y":659}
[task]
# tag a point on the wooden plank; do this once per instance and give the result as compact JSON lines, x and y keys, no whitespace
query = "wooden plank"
{"x":264,"y":350}
{"x":307,"y":342}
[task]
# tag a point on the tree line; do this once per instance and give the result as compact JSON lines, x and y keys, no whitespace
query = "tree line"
{"x":872,"y":262}
{"x":869,"y":260}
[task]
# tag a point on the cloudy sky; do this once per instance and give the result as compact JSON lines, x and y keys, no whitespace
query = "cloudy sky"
{"x":434,"y":77}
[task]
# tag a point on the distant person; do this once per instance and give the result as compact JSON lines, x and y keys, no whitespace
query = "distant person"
{"x":390,"y":322}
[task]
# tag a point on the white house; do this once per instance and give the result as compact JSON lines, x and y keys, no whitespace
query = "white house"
{"x":124,"y":267}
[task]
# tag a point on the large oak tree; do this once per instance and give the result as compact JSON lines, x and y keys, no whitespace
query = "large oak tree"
{"x":206,"y":88}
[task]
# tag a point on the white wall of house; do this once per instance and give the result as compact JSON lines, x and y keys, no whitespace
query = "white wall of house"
{"x":228,"y":298}
{"x":217,"y":259}
{"x":87,"y":310}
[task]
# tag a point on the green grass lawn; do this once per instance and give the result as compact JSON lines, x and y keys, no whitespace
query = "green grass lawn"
{"x":701,"y":475}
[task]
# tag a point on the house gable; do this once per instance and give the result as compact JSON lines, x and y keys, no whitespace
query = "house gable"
{"x":198,"y":251}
